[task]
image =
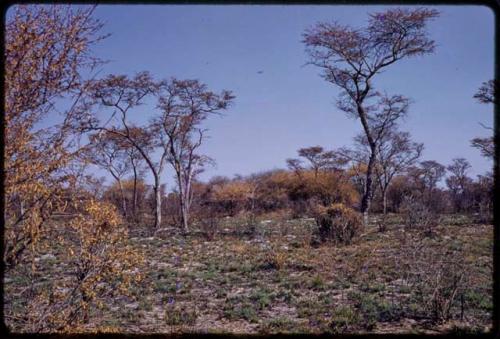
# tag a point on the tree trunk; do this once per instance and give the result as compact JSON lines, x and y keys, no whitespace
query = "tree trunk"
{"x":157,"y":193}
{"x":134,"y":196}
{"x":184,"y":216}
{"x":367,"y":196}
{"x":183,"y":203}
{"x":122,"y":197}
{"x":384,"y":199}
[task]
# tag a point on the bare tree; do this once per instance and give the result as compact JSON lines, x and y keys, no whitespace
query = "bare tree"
{"x":486,"y":95}
{"x":122,"y":94}
{"x":137,"y":164}
{"x":395,"y":153}
{"x":295,"y":165}
{"x":351,"y":58}
{"x":184,"y":105}
{"x":106,"y":151}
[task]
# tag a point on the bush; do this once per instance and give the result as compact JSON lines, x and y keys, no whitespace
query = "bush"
{"x":338,"y":223}
{"x":416,"y":215}
{"x":438,"y":279}
{"x":208,"y":220}
{"x":180,"y":315}
{"x":274,"y":260}
{"x":343,"y":319}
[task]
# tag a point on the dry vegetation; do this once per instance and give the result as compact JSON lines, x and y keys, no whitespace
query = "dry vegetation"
{"x":280,"y":251}
{"x":393,"y":282}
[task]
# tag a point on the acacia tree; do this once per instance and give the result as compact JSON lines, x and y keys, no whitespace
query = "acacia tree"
{"x":122,"y":95}
{"x":459,"y":182}
{"x":395,"y":153}
{"x":106,"y":151}
{"x":352,"y":57}
{"x":47,"y":49}
{"x":486,"y":95}
{"x":319,"y":159}
{"x":184,"y":105}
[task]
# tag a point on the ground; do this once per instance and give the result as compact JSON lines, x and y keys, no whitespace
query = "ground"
{"x":276,"y":281}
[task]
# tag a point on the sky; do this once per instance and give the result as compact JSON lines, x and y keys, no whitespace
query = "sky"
{"x":281,"y":103}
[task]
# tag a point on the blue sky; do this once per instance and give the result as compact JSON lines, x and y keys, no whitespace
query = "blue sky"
{"x":281,"y":104}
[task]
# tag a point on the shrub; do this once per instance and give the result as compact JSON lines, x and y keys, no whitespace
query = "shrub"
{"x":343,"y":319}
{"x":338,"y":223}
{"x":438,"y":279}
{"x":416,"y":215}
{"x":208,"y":220}
{"x":274,"y":260}
{"x":180,"y":315}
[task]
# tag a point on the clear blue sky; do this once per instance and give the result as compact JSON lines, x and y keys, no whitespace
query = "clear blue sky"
{"x":289,"y":105}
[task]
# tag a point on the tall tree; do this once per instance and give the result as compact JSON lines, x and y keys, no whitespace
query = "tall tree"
{"x":184,"y":105}
{"x":351,"y":58}
{"x":123,"y":94}
{"x":395,"y":154}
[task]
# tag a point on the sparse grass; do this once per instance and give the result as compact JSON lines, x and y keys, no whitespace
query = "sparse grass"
{"x":276,"y":283}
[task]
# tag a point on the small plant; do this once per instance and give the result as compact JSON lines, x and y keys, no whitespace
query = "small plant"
{"x":274,"y":259}
{"x":262,"y":298}
{"x":343,"y":319}
{"x":438,"y":279}
{"x":318,"y":283}
{"x":176,"y":314}
{"x":240,"y":308}
{"x":280,"y":325}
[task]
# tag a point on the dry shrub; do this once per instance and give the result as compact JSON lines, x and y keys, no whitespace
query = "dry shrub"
{"x":100,"y":266}
{"x":417,"y":215}
{"x":274,"y":259}
{"x":325,"y":188}
{"x":338,"y":223}
{"x":208,"y":220}
{"x":438,"y":278}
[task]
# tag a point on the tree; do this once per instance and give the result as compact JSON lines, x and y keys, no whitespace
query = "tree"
{"x":184,"y":105}
{"x":424,"y":179}
{"x":395,"y":153}
{"x":47,"y":49}
{"x":486,"y":95}
{"x":318,"y":158}
{"x":123,"y":94}
{"x":107,"y":151}
{"x":459,"y":182}
{"x":352,"y":57}
{"x":138,"y":166}
{"x":431,"y":173}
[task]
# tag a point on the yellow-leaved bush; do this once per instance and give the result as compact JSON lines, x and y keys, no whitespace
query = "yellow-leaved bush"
{"x":100,"y":265}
